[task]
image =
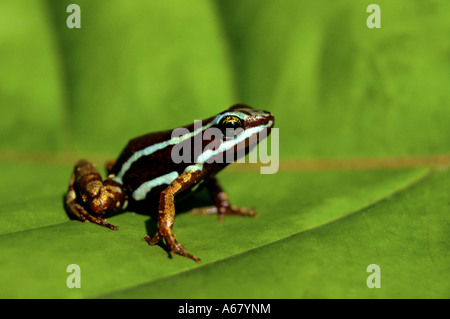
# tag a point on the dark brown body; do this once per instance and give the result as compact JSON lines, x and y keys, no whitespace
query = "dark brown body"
{"x":146,"y":177}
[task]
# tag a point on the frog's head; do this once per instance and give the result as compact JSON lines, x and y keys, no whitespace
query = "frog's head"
{"x":245,"y":117}
{"x":242,"y":127}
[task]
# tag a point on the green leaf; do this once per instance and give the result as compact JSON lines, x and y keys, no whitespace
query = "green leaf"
{"x":344,"y":97}
{"x":40,"y":249}
{"x":406,"y":235}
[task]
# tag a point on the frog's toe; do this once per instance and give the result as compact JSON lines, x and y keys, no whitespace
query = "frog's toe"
{"x":180,"y":250}
{"x":204,"y":211}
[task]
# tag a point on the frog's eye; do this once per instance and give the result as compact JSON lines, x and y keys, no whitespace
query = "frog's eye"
{"x":230,"y":125}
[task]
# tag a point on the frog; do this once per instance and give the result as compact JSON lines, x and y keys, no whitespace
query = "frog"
{"x":148,"y":174}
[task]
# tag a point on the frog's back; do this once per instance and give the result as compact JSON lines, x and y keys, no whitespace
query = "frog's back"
{"x":145,"y":158}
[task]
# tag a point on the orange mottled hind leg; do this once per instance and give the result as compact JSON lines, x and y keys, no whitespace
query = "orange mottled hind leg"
{"x":88,"y":196}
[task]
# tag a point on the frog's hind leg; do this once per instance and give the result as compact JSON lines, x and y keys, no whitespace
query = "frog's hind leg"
{"x":88,"y":196}
{"x":222,"y":205}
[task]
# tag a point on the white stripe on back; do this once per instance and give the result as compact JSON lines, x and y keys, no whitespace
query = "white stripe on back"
{"x":141,"y":192}
{"x":153,"y":148}
{"x":202,"y":158}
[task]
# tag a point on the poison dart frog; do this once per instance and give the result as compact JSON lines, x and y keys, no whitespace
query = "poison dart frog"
{"x":150,"y":172}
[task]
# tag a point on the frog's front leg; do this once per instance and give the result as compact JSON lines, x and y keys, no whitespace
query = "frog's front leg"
{"x":166,"y":213}
{"x":88,"y":196}
{"x":222,"y":205}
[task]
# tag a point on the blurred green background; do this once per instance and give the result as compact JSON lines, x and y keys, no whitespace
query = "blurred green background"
{"x":338,"y":90}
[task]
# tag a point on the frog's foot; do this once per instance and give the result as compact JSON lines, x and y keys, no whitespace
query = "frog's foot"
{"x":225,"y":210}
{"x":172,"y":245}
{"x":78,"y":211}
{"x":222,"y":205}
{"x":88,"y":196}
{"x":166,"y":215}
